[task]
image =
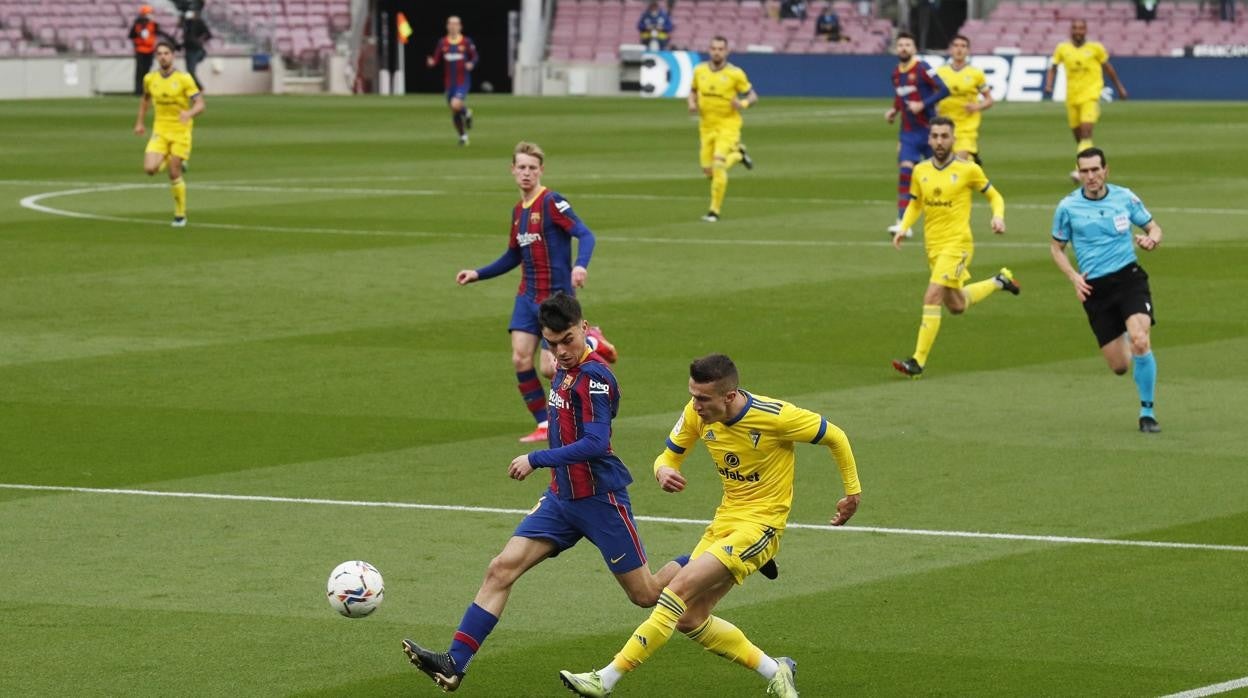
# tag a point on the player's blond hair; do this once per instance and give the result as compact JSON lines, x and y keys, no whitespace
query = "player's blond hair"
{"x":527,"y":148}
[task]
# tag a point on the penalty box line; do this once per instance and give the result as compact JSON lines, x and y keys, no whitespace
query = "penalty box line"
{"x":934,"y":533}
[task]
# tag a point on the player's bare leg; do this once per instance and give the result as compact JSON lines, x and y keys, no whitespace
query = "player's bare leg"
{"x":642,"y":587}
{"x":152,"y":162}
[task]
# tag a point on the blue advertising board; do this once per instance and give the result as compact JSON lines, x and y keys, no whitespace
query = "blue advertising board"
{"x":1012,"y":78}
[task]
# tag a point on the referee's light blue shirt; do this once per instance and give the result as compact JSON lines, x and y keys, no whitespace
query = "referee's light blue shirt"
{"x":1100,"y":229}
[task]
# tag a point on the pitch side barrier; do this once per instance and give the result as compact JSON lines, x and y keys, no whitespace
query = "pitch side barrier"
{"x":1012,"y":78}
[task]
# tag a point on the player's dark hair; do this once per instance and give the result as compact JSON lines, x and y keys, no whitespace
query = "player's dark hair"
{"x":904,"y":35}
{"x":1092,"y":153}
{"x":942,"y":121}
{"x":167,"y":44}
{"x":962,"y":37}
{"x":719,"y":37}
{"x":559,"y":312}
{"x":715,"y":368}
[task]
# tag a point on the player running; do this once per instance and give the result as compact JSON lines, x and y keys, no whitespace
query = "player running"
{"x":969,"y":97}
{"x":458,"y":56}
{"x":543,"y":225}
{"x":750,"y":439}
{"x":178,"y":101}
{"x":942,"y":188}
{"x":1086,"y":63}
{"x":587,"y":497}
{"x":719,"y":93}
{"x":917,"y":88}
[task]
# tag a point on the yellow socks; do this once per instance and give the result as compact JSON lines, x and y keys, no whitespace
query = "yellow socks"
{"x":719,"y":185}
{"x":725,"y":639}
{"x":732,"y":158}
{"x":1083,"y":145}
{"x":976,"y":292}
{"x":651,"y":635}
{"x":179,"y":197}
{"x":929,"y":327}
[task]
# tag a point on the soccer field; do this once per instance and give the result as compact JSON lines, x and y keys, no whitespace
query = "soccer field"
{"x":302,"y":347}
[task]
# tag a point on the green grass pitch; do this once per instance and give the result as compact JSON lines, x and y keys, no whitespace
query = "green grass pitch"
{"x":304,"y":338}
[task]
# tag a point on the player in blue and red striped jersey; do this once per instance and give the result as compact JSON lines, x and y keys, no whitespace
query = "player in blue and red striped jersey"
{"x":587,"y":497}
{"x":458,"y":56}
{"x":917,"y":88}
{"x":543,"y":225}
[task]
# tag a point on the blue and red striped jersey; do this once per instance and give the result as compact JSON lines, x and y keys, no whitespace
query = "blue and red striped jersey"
{"x":583,"y":401}
{"x":454,"y":55}
{"x":541,"y":240}
{"x":918,"y":83}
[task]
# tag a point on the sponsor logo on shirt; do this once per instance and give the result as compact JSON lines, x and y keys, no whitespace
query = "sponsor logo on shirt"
{"x":557,"y":400}
{"x":526,"y":239}
{"x":598,"y":388}
{"x":562,"y":205}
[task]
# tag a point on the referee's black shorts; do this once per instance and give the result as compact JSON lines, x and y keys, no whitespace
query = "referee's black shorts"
{"x":1116,"y":297}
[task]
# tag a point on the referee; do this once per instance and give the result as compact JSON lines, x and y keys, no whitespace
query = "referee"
{"x":1113,"y":287}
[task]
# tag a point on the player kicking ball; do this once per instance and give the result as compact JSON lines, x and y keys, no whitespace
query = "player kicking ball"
{"x":750,"y":439}
{"x":587,"y":497}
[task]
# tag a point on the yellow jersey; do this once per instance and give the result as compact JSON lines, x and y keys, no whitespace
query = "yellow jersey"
{"x":1084,"y":76}
{"x":716,"y":90}
{"x":753,"y":453}
{"x":945,"y":194}
{"x":965,"y":85}
{"x":171,"y":94}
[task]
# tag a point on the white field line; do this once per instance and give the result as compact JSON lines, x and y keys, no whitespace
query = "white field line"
{"x":1212,"y":689}
{"x":371,"y":191}
{"x":33,"y":202}
{"x":1070,"y":540}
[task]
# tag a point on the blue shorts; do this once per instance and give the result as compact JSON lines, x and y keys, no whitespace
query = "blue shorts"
{"x":914,"y":146}
{"x":605,"y":519}
{"x":524,"y":316}
{"x":457,"y":91}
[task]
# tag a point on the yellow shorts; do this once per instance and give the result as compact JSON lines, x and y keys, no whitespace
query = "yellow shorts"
{"x":967,"y":140}
{"x":951,"y":266}
{"x":1083,"y":112}
{"x":717,"y":141}
{"x":175,"y":144}
{"x":742,"y":546}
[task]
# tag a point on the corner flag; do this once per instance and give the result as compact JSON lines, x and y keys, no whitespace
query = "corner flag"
{"x":405,"y":29}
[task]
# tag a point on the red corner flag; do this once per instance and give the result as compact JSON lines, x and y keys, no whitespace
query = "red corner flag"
{"x":405,"y":29}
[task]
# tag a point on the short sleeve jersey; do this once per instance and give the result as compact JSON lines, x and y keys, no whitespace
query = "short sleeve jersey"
{"x":171,"y":94}
{"x":944,"y":195}
{"x":965,"y":86}
{"x":1084,"y":76}
{"x":1100,"y":229}
{"x":716,"y":90}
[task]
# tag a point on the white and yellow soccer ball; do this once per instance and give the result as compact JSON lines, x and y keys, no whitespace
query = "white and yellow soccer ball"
{"x":355,"y":589}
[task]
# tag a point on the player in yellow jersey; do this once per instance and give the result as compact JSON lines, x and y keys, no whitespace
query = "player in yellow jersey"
{"x":178,"y":101}
{"x":750,"y":439}
{"x":942,"y":188}
{"x":719,"y":93}
{"x":969,"y":97}
{"x":1086,"y":63}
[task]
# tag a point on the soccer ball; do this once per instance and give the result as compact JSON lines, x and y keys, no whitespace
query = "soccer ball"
{"x":355,"y":589}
